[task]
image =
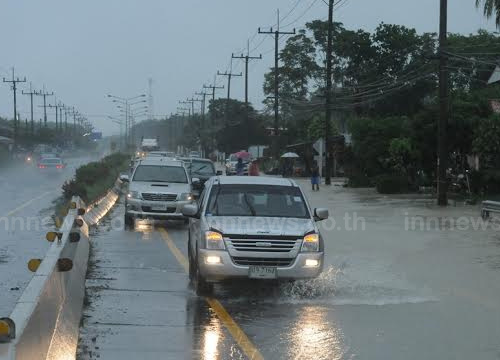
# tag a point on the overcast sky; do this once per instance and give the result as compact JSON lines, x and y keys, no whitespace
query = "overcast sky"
{"x":83,"y":50}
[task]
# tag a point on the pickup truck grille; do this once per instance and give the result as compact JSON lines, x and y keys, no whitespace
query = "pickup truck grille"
{"x":248,"y":261}
{"x":263,"y":245}
{"x":159,"y":197}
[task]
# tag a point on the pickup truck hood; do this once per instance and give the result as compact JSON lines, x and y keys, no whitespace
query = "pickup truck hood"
{"x":160,"y":188}
{"x":261,"y":226}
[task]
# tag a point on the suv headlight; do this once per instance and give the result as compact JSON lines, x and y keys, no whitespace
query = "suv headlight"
{"x":310,"y":243}
{"x":134,"y":195}
{"x":214,"y":240}
{"x":186,"y":197}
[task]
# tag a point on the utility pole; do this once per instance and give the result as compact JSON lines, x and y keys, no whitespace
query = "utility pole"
{"x":57,"y":107}
{"x":203,"y":107}
{"x":443,"y":104}
{"x":213,"y":87}
{"x":44,"y":94}
{"x":31,"y":93}
{"x":14,"y":83}
{"x":247,"y":59}
{"x":276,"y":34}
{"x":229,"y":78}
{"x":328,"y":94}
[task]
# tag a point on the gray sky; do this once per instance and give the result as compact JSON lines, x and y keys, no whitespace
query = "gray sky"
{"x":83,"y":50}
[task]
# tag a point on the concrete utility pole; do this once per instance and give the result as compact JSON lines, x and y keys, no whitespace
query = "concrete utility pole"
{"x":443,"y":105}
{"x":57,"y":107}
{"x":15,"y":80}
{"x":31,"y":93}
{"x":229,"y":75}
{"x":44,"y":94}
{"x":328,"y":95}
{"x":276,"y":34}
{"x":247,"y":59}
{"x":213,"y":87}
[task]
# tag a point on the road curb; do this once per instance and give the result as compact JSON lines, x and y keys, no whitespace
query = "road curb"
{"x":47,"y":316}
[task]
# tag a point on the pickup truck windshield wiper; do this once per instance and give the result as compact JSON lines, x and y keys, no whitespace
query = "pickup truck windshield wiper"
{"x":215,"y":204}
{"x":252,"y":210}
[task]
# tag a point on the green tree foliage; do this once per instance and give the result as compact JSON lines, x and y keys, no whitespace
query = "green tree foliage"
{"x":490,"y":8}
{"x":487,"y":142}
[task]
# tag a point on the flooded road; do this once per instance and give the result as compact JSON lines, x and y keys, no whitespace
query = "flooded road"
{"x":26,"y":210}
{"x":403,"y":279}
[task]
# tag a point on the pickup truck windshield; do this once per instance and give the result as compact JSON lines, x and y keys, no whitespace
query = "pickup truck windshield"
{"x":257,"y":200}
{"x":201,"y":168}
{"x":154,"y":173}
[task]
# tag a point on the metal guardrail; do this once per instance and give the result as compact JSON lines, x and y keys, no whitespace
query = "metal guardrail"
{"x":488,"y":207}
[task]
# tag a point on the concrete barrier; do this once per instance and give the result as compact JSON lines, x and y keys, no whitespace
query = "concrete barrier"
{"x":47,"y":315}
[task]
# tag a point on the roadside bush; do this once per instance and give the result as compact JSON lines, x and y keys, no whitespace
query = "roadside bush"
{"x":359,"y":181}
{"x":392,"y":184}
{"x":93,"y":180}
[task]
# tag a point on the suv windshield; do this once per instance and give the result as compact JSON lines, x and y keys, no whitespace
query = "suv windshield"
{"x":154,"y":173}
{"x":257,"y":200}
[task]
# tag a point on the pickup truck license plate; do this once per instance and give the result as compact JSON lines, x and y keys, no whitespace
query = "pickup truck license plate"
{"x":262,"y":272}
{"x":157,"y":207}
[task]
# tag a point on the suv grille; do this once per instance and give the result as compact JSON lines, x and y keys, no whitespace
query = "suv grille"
{"x":159,"y":197}
{"x":246,"y":261}
{"x":263,"y":245}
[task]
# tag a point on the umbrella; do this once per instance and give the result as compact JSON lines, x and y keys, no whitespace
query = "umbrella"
{"x":290,"y":155}
{"x":243,"y":155}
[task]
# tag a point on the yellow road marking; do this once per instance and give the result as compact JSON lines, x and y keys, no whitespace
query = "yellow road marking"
{"x":10,"y":213}
{"x":238,"y":335}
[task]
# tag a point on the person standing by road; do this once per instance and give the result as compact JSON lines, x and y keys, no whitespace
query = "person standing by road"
{"x":315,"y":178}
{"x":240,"y":167}
{"x":253,"y":170}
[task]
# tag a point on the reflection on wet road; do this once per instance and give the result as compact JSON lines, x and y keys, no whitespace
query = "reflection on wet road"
{"x":386,"y":293}
{"x":26,"y":209}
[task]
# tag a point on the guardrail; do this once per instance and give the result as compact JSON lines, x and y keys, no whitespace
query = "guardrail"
{"x":45,"y":321}
{"x":489,"y":207}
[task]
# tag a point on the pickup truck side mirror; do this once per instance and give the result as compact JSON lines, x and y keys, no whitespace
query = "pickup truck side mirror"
{"x":190,"y":210}
{"x":321,"y":214}
{"x":218,"y":173}
{"x":124,"y":178}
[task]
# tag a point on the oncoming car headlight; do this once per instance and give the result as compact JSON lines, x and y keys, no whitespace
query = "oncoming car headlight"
{"x":310,"y":243}
{"x":133,"y":195}
{"x":214,"y":240}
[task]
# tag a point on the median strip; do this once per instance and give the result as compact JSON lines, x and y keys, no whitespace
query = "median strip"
{"x":236,"y":332}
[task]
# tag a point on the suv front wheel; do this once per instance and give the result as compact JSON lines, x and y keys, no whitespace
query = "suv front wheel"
{"x":201,"y":286}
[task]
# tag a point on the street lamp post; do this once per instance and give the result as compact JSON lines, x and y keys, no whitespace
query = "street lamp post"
{"x":127,"y":103}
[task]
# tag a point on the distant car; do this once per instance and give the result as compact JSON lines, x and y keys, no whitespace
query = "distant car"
{"x":158,"y":189}
{"x":194,"y":154}
{"x":202,"y":169}
{"x":257,"y":228}
{"x":51,"y":163}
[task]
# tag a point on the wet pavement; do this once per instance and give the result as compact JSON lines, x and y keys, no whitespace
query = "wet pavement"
{"x":403,"y":279}
{"x":26,"y":209}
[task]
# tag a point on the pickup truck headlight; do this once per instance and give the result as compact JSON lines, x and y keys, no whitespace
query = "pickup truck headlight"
{"x":134,"y":195}
{"x":310,"y":243}
{"x":214,"y":240}
{"x":186,"y":197}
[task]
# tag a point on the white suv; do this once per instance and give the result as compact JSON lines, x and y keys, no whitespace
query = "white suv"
{"x":158,"y":189}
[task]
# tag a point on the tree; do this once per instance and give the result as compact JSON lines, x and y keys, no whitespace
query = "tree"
{"x":487,"y":142}
{"x":490,"y":7}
